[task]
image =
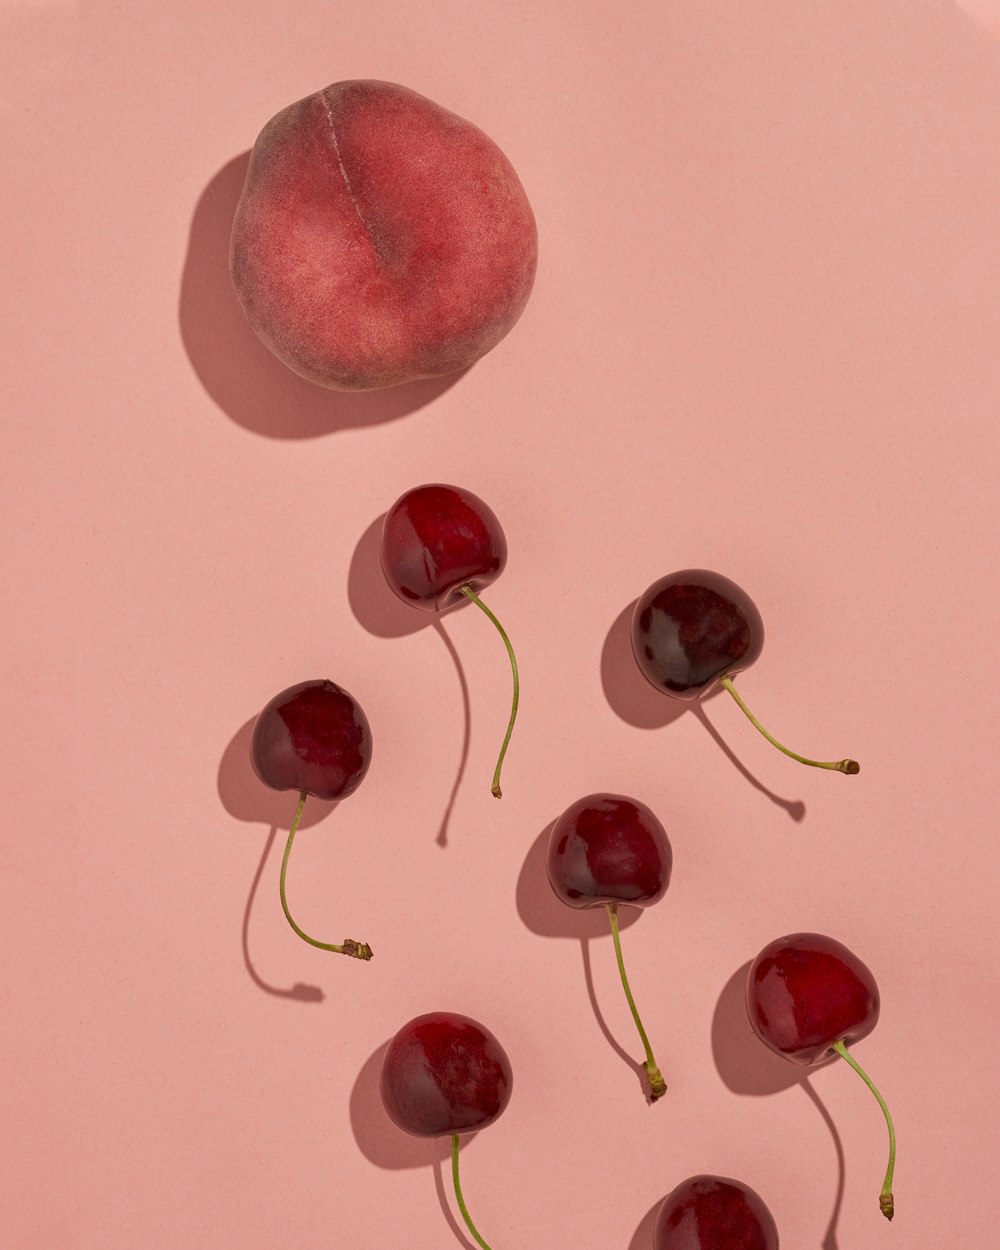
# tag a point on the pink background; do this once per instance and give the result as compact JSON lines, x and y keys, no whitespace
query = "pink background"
{"x":763,"y":339}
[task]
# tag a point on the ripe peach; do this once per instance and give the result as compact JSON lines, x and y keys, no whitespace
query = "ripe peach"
{"x":380,"y":238}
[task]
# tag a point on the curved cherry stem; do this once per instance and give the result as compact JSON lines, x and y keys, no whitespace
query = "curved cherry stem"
{"x":357,"y":950}
{"x":657,"y":1085}
{"x":840,"y":766}
{"x":458,"y":1194}
{"x":471,"y":595}
{"x":885,"y":1201}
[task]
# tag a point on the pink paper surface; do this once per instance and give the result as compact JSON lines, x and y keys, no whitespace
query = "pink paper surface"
{"x":763,"y":339}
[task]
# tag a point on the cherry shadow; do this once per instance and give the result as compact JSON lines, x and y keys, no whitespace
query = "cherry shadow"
{"x":442,"y":833}
{"x":749,"y":1068}
{"x":640,"y":704}
{"x":745,"y":1064}
{"x":543,"y":913}
{"x":246,"y":797}
{"x":630,"y":695}
{"x":642,"y":1238}
{"x":241,"y":375}
{"x":378,"y":1139}
{"x":301,"y":990}
{"x":389,"y":1147}
{"x":382,"y":613}
{"x":830,"y":1241}
{"x":377,"y":608}
{"x":461,"y":1234}
{"x":795,"y":808}
{"x":634,"y":1064}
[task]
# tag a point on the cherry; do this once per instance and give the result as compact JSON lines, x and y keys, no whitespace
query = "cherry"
{"x":440,"y":545}
{"x":714,"y":1213}
{"x":444,"y":1075}
{"x":692,"y":631}
{"x":314,"y":738}
{"x":808,"y":996}
{"x":606,"y":849}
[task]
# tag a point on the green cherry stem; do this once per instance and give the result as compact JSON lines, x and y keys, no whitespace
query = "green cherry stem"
{"x":458,"y":1194}
{"x":657,"y":1085}
{"x":358,"y":950}
{"x":471,"y":595}
{"x":885,"y":1197}
{"x":840,"y":766}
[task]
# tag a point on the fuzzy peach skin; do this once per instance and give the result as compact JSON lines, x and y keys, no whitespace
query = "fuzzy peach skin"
{"x":380,"y":238}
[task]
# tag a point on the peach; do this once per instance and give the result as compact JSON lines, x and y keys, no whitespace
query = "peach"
{"x":380,"y":238}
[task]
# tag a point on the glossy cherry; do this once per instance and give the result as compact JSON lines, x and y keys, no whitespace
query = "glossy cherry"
{"x":313,"y":738}
{"x":437,"y":539}
{"x":693,"y":631}
{"x":442,"y":544}
{"x":808,"y":996}
{"x":444,"y":1075}
{"x":714,"y":1213}
{"x":607,"y":849}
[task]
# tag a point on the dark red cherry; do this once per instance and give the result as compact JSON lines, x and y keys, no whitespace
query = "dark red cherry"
{"x":445,"y":1074}
{"x":441,"y":544}
{"x":607,"y":848}
{"x":694,"y":630}
{"x":714,"y":1213}
{"x":691,"y":628}
{"x":313,"y":738}
{"x":806,"y":992}
{"x":807,"y":997}
{"x":436,"y":539}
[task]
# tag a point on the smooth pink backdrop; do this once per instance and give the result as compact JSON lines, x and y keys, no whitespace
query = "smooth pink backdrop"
{"x":763,"y":339}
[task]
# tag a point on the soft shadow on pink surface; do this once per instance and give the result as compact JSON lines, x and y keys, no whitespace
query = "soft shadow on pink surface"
{"x":745,"y":1064}
{"x":794,"y":807}
{"x":387,"y":1146}
{"x":748,"y":1067}
{"x":460,"y":1234}
{"x":638,"y":703}
{"x":642,"y":1238}
{"x":630,"y":695}
{"x":246,"y":797}
{"x":543,"y":913}
{"x":244,"y":378}
{"x":378,"y":1139}
{"x":377,"y":607}
{"x":302,"y":991}
{"x":384,"y":614}
{"x":463,"y":759}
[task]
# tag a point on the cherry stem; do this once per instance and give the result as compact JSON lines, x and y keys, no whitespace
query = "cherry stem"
{"x":657,"y":1085}
{"x":471,"y":594}
{"x":357,"y":950}
{"x":885,"y":1197}
{"x":840,"y":766}
{"x":458,"y":1194}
